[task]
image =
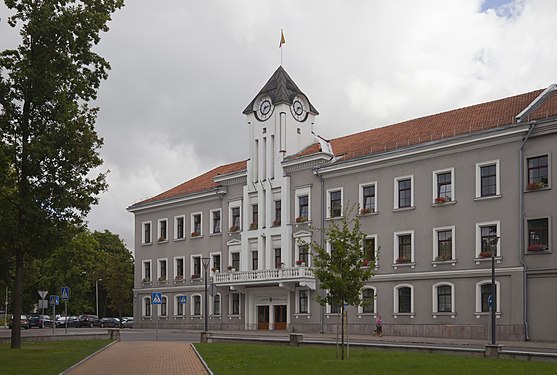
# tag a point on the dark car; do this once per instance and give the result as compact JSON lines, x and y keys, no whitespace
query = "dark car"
{"x":109,"y":322}
{"x":73,"y":322}
{"x":89,"y":321}
{"x":38,"y":320}
{"x":127,"y":322}
{"x":23,"y":323}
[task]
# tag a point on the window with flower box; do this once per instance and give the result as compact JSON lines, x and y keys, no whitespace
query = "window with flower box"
{"x":179,"y":268}
{"x":196,"y":228}
{"x":302,"y":208}
{"x":486,"y":239}
{"x":303,"y":255}
{"x":443,"y":244}
{"x":404,"y":248}
{"x":370,"y":250}
{"x":538,"y":172}
{"x":367,"y":198}
{"x":235,"y":216}
{"x":538,"y":235}
{"x":196,"y":266}
{"x":146,"y":274}
{"x":162,"y":270}
{"x":163,"y":230}
{"x":443,"y":186}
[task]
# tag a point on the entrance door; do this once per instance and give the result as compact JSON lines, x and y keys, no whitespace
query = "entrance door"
{"x":263,"y":317}
{"x":280,"y":317}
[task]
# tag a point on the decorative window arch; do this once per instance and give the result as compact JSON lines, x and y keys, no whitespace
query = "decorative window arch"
{"x":163,"y":307}
{"x":369,"y":293}
{"x":443,"y":297}
{"x":196,"y":306}
{"x":179,"y":309}
{"x":146,"y":306}
{"x":483,"y":290}
{"x":216,"y":306}
{"x":403,"y":300}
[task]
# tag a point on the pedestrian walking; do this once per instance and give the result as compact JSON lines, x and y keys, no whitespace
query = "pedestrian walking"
{"x":378,"y":326}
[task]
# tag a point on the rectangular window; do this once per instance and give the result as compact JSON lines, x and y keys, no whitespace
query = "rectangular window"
{"x":179,"y":227}
{"x":303,"y":207}
{"x":147,"y":306}
{"x":404,"y":300}
{"x":538,"y":172}
{"x":303,"y":296}
{"x":146,"y":271}
{"x":444,"y":298}
{"x":335,"y":308}
{"x":444,"y":187}
{"x":304,"y":254}
{"x":147,"y":233}
{"x":404,"y":248}
{"x":162,"y":270}
{"x":163,"y":234}
{"x":196,"y":225}
{"x":196,"y":305}
{"x":179,"y":269}
{"x":179,"y":306}
{"x":216,"y":305}
{"x":404,"y":193}
{"x":235,"y":219}
{"x":369,"y":249}
{"x":488,"y":235}
{"x":236,"y":304}
{"x":444,"y":245}
{"x":335,"y":203}
{"x":538,"y":235}
{"x":164,"y":306}
{"x":278,"y":258}
{"x":488,"y":175}
{"x":254,"y":260}
{"x":254,"y":216}
{"x":368,"y":296}
{"x":216,"y":222}
{"x":196,"y":266}
{"x":368,"y":199}
{"x":235,"y":261}
{"x":278,"y":213}
{"x":216,"y":263}
{"x":485,"y":293}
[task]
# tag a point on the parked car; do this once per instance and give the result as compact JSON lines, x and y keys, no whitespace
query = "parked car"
{"x":89,"y":321}
{"x":38,"y":320}
{"x":127,"y":322}
{"x":23,"y":323}
{"x":109,"y":322}
{"x":73,"y":322}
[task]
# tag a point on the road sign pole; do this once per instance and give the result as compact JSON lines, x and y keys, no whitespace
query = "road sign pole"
{"x":53,"y":317}
{"x":65,"y":313}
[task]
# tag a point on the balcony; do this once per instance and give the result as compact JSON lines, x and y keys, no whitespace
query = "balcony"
{"x":284,"y":277}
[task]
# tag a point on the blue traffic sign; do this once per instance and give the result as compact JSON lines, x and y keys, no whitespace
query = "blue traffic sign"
{"x":156,"y":298}
{"x":65,"y":293}
{"x":183,"y":300}
{"x":490,"y":301}
{"x":54,"y":300}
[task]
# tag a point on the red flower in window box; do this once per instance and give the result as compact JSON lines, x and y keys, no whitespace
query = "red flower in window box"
{"x":365,"y":262}
{"x":195,"y":276}
{"x":536,"y":247}
{"x":441,"y":200}
{"x":300,"y":262}
{"x":366,"y":211}
{"x":234,"y":228}
{"x":403,"y":260}
{"x":536,"y":185}
{"x":485,"y":254}
{"x":195,"y":234}
{"x":179,"y":277}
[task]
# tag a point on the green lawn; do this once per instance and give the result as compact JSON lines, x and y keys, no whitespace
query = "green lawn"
{"x":45,"y":358}
{"x":305,"y":360}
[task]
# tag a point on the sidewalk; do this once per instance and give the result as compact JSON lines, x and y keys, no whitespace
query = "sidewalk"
{"x":142,"y":357}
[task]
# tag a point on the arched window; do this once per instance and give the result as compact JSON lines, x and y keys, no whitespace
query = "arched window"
{"x":443,"y":298}
{"x":368,"y":297}
{"x":483,"y":291}
{"x":404,"y":299}
{"x":196,"y":305}
{"x":163,"y":309}
{"x":178,"y":307}
{"x":147,"y":306}
{"x":216,"y":305}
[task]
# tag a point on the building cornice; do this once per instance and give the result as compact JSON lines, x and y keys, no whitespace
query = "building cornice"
{"x":307,"y":162}
{"x":202,"y":195}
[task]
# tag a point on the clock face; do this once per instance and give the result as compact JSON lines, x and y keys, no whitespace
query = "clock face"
{"x":263,"y":108}
{"x":299,"y":108}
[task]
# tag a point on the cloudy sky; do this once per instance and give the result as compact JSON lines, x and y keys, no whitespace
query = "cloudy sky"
{"x":183,"y":71}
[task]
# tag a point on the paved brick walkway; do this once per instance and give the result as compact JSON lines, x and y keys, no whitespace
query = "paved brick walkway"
{"x":143,"y":357}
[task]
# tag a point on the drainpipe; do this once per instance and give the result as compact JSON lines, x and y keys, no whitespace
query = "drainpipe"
{"x":322,"y":244}
{"x":521,"y":234}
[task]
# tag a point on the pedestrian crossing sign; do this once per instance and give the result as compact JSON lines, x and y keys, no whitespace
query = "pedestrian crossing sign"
{"x":54,"y":300}
{"x":65,"y":293}
{"x":156,"y":298}
{"x":183,"y":300}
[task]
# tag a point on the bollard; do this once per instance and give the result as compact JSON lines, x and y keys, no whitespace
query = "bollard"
{"x":296,"y":339}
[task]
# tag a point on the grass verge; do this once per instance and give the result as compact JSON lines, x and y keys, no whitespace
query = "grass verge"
{"x":281,"y":359}
{"x":45,"y":358}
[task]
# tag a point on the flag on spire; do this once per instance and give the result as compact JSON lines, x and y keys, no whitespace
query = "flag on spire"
{"x":282,"y":40}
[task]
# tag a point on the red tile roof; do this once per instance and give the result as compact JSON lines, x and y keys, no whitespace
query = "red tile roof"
{"x":476,"y":118}
{"x":197,"y":184}
{"x":457,"y":122}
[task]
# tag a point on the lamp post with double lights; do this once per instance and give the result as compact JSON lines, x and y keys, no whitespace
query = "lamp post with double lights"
{"x":205,"y":262}
{"x":493,"y":308}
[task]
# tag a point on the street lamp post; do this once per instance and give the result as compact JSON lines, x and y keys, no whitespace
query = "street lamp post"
{"x":97,"y":294}
{"x":493,"y":244}
{"x":205,"y":308}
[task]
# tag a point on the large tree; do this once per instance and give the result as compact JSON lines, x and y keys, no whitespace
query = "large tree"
{"x":46,"y":125}
{"x":343,"y":270}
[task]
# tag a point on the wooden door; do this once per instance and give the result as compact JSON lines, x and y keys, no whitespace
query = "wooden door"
{"x":263,"y":317}
{"x":280,"y":317}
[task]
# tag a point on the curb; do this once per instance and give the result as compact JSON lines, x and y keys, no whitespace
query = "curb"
{"x":66,"y":371}
{"x":202,"y":360}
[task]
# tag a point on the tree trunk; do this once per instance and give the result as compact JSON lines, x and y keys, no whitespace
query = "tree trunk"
{"x":16,"y":327}
{"x":342,"y":332}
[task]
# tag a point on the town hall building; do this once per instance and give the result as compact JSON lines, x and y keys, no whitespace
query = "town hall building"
{"x":436,"y":196}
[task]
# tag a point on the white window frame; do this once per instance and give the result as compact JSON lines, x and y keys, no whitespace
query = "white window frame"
{"x":192,"y":305}
{"x":144,"y":307}
{"x":192,"y":224}
{"x":396,"y":194}
{"x":361,"y":195}
{"x":527,"y":233}
{"x":396,"y":236}
{"x":192,"y":271}
{"x":212,"y":262}
{"x":298,"y":312}
{"x":177,"y":304}
{"x":300,"y":239}
{"x":395,"y":300}
{"x":435,"y":298}
{"x":159,"y":227}
{"x":376,"y":249}
{"x":435,"y":175}
{"x":143,"y":239}
{"x":159,"y":269}
{"x":150,"y":269}
{"x":361,"y":308}
{"x":176,"y":267}
{"x":436,"y":243}
{"x":231,"y":205}
{"x":230,"y":304}
{"x":549,"y":168}
{"x":300,"y":192}
{"x":159,"y":307}
{"x":211,"y":218}
{"x":212,"y":306}
{"x":479,"y":237}
{"x":497,"y":179}
{"x":479,"y":297}
{"x":334,"y":190}
{"x":176,"y":238}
